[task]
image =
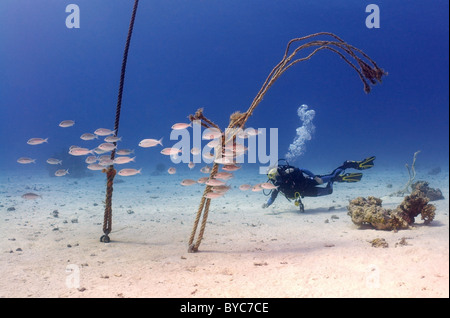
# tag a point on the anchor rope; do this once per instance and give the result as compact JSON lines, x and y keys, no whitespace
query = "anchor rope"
{"x":111,"y":172}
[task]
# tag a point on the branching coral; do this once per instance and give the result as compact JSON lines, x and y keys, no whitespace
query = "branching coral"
{"x":412,"y":176}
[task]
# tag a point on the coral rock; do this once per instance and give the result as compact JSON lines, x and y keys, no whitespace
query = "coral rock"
{"x":370,"y":211}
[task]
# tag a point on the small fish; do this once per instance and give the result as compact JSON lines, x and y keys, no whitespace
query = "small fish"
{"x":257,"y":187}
{"x":244,"y":187}
{"x":205,"y":169}
{"x":123,"y":160}
{"x":231,"y":167}
{"x":104,"y":157}
{"x":268,"y":186}
{"x":221,"y":189}
{"x":214,"y":143}
{"x":31,"y":196}
{"x":95,"y":166}
{"x":195,"y":151}
{"x":54,"y":161}
{"x":202,"y":180}
{"x":146,"y":143}
{"x":252,"y":132}
{"x":107,"y":146}
{"x":104,"y":132}
{"x":99,"y":151}
{"x":223,"y":175}
{"x":88,"y":136}
{"x":91,"y":159}
{"x":211,"y":133}
{"x":25,"y":160}
{"x":242,"y":134}
{"x":172,"y":170}
{"x":171,"y":151}
{"x":128,"y":172}
{"x":124,"y":152}
{"x":214,"y":195}
{"x":106,"y":162}
{"x":113,"y":139}
{"x":66,"y":123}
{"x":191,"y":165}
{"x":77,"y":151}
{"x":236,"y":148}
{"x":214,"y":182}
{"x":188,"y":182}
{"x":180,"y":126}
{"x":223,"y":161}
{"x":37,"y":141}
{"x":61,"y":172}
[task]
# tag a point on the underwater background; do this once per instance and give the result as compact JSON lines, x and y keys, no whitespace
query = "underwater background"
{"x":216,"y":54}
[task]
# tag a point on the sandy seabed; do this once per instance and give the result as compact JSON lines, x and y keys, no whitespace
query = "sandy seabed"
{"x":246,"y":251}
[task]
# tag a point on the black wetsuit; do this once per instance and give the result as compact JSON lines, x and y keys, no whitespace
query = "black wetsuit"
{"x":295,"y":183}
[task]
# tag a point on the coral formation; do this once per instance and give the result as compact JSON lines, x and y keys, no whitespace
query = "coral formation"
{"x":379,"y":242}
{"x":370,"y":211}
{"x":430,"y":193}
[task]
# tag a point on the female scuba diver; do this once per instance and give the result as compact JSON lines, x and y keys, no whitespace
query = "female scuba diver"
{"x":297,"y":183}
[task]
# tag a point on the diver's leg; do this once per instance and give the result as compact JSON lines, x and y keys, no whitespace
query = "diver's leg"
{"x":331,"y":177}
{"x":359,"y":165}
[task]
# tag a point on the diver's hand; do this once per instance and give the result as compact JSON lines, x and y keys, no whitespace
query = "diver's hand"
{"x":265,"y":205}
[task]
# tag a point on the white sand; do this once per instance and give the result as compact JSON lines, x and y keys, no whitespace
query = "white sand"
{"x":246,"y":251}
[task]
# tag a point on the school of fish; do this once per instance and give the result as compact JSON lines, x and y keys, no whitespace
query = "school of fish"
{"x":100,"y":157}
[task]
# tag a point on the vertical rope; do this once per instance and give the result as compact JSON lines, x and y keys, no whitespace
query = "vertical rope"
{"x":203,"y":208}
{"x":111,"y":172}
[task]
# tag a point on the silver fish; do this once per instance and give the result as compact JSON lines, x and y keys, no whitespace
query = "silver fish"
{"x":128,"y":172}
{"x":61,"y":172}
{"x":66,"y":123}
{"x":31,"y":196}
{"x":37,"y":141}
{"x":25,"y":160}
{"x":54,"y":161}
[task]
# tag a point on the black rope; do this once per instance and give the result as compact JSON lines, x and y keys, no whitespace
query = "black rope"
{"x":110,"y":171}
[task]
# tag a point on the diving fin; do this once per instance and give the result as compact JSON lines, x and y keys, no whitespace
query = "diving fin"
{"x":349,"y":177}
{"x":359,"y":165}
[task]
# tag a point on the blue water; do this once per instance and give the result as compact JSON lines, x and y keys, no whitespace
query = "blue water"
{"x":216,"y":54}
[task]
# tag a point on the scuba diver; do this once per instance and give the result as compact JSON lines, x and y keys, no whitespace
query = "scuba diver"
{"x":297,"y":183}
